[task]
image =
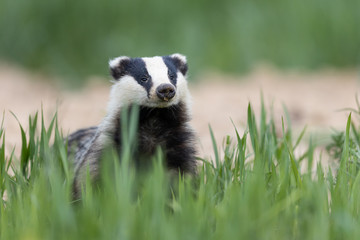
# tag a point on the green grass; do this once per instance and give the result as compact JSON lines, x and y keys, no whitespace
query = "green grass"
{"x":76,"y":39}
{"x":255,"y":191}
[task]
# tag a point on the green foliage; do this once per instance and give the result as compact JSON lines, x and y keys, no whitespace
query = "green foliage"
{"x":77,"y":38}
{"x":339,"y":139}
{"x":250,"y":191}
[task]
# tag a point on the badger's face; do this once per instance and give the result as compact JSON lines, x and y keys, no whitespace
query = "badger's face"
{"x":149,"y":81}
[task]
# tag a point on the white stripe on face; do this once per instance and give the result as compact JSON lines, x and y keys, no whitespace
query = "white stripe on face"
{"x":157,"y":70}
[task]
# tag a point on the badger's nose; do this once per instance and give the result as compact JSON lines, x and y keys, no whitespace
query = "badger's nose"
{"x":165,"y":91}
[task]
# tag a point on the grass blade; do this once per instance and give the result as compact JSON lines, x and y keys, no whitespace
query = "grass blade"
{"x":253,"y":130}
{"x":300,"y":137}
{"x":342,"y":176}
{"x":213,"y":140}
{"x":24,"y":157}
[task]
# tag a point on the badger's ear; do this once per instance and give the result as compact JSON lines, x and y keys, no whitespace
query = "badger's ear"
{"x":180,"y":62}
{"x":118,"y":66}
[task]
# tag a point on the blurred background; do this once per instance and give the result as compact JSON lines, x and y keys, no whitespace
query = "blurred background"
{"x":76,"y":38}
{"x":303,"y":53}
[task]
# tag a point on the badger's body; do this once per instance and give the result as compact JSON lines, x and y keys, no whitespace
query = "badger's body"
{"x":159,"y":87}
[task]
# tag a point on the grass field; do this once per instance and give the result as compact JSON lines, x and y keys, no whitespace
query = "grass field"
{"x":256,"y":191}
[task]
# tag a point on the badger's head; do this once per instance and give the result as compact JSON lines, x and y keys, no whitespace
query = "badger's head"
{"x":156,"y":82}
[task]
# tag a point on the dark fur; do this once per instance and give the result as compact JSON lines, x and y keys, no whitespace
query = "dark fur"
{"x":134,"y":67}
{"x":167,"y":128}
{"x":80,"y":141}
{"x":158,"y":127}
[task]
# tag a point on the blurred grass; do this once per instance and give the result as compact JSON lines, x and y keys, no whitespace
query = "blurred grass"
{"x":76,"y":38}
{"x":254,"y":191}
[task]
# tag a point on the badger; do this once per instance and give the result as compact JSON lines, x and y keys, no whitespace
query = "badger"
{"x":158,"y":86}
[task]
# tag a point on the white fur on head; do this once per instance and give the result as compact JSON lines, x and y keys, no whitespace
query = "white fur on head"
{"x":118,"y":66}
{"x":179,"y":56}
{"x":113,"y":63}
{"x":128,"y":91}
{"x":180,"y":63}
{"x":159,"y":74}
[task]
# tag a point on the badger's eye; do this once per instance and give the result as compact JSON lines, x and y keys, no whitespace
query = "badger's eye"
{"x":171,"y":76}
{"x":144,"y":79}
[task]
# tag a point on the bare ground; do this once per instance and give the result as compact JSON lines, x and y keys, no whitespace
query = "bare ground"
{"x":312,"y":99}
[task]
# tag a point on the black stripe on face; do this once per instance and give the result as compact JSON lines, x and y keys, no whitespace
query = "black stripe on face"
{"x":137,"y":69}
{"x":172,"y":70}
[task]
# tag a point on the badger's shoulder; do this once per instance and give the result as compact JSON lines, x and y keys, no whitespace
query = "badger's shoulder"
{"x":79,"y":141}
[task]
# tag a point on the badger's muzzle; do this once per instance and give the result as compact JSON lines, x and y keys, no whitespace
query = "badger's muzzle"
{"x":165,"y":91}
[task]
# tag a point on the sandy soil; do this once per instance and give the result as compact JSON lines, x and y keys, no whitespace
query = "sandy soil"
{"x":312,"y":99}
